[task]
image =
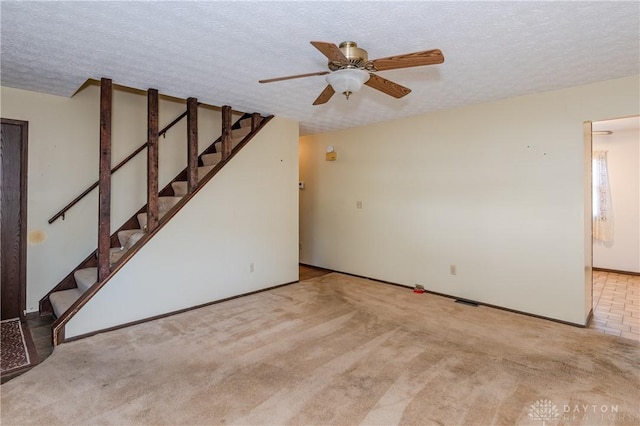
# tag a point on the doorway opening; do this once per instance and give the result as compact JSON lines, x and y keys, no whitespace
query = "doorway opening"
{"x":616,"y":226}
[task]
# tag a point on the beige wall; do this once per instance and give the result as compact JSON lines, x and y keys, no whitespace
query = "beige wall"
{"x":63,"y":161}
{"x":497,"y":189}
{"x":247,"y":215}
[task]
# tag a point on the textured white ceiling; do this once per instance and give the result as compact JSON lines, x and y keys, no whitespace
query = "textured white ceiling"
{"x":217,"y":51}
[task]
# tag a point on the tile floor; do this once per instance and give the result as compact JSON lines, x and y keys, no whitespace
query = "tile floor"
{"x":616,"y":304}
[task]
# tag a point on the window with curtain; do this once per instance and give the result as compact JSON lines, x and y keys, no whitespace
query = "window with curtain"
{"x":602,"y":206}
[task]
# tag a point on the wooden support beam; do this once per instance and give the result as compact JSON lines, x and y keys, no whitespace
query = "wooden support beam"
{"x":192,"y":144}
{"x":256,"y":118}
{"x":104,"y":181}
{"x":152,"y":159}
{"x":226,"y":132}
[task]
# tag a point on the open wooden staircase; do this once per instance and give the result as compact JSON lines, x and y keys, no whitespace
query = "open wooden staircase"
{"x":65,"y":299}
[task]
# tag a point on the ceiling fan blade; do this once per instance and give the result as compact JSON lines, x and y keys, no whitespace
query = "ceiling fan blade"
{"x":416,"y":59}
{"x":289,"y":77}
{"x":387,"y":86}
{"x":326,"y":94}
{"x":330,"y":50}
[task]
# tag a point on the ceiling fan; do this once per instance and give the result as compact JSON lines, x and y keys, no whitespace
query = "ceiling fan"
{"x":350,"y":68}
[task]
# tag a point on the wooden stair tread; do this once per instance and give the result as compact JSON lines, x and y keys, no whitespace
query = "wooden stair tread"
{"x":241,"y":132}
{"x":62,"y":300}
{"x":129,"y":237}
{"x":211,"y":159}
{"x":85,"y":278}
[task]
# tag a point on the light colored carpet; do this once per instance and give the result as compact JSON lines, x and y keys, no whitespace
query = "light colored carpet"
{"x":335,"y":350}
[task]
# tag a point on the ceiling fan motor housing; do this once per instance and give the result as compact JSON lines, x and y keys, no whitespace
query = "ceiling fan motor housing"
{"x":357,"y":57}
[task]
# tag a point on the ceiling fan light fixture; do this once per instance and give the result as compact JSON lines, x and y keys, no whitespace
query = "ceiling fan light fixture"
{"x":348,"y":80}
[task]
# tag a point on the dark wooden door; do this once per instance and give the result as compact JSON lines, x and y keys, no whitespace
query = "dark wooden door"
{"x":13,"y":217}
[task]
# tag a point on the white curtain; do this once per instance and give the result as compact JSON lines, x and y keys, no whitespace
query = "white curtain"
{"x":602,"y":207}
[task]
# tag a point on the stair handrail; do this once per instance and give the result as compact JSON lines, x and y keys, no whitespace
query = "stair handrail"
{"x":162,"y":132}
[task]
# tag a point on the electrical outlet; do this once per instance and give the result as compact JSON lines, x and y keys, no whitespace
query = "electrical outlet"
{"x":453,"y":269}
{"x":251,"y":267}
{"x":358,"y":204}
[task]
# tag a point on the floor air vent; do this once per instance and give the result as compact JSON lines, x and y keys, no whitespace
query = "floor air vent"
{"x":467,"y":302}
